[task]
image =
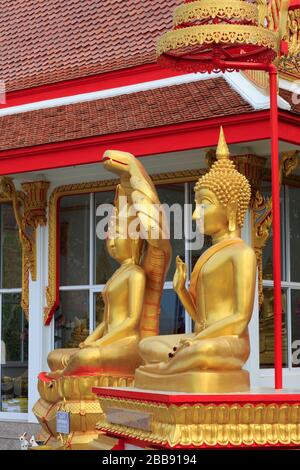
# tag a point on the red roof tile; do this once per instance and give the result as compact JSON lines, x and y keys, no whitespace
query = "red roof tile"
{"x":46,"y":41}
{"x":164,"y":106}
{"x":288,"y":96}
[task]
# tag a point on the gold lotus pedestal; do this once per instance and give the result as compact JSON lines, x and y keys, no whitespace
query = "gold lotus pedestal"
{"x":73,"y":395}
{"x":157,"y":420}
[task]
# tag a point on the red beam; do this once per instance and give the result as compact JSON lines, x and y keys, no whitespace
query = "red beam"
{"x":276,"y":227}
{"x":173,"y":138}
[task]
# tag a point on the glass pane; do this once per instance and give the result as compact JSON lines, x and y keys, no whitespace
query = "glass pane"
{"x":11,"y":254}
{"x":295,"y":320}
{"x":173,"y":196}
{"x":294,"y":235}
{"x":268,"y":249}
{"x":71,"y":319}
{"x":14,"y":356}
{"x":172,"y":315}
{"x":105,"y":265}
{"x":98,"y":309}
{"x":266,"y":329}
{"x":74,"y":240}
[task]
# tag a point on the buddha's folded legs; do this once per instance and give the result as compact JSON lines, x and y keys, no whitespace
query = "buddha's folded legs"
{"x":157,"y":348}
{"x":120,"y":358}
{"x":225,"y":353}
{"x":59,"y":358}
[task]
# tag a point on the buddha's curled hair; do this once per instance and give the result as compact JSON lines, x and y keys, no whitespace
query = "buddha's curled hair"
{"x":226,"y":182}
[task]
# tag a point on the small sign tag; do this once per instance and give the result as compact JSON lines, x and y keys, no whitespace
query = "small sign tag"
{"x":129,"y":418}
{"x":63,"y":422}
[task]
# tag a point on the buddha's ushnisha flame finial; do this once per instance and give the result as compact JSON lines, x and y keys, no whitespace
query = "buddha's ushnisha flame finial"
{"x":226,"y":182}
{"x":222,"y":149}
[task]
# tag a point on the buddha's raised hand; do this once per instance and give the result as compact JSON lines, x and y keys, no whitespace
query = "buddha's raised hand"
{"x":179,"y":279}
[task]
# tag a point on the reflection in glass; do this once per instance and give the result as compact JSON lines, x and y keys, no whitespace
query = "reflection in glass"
{"x":266,"y":329}
{"x":14,"y":356}
{"x":294,"y":232}
{"x":71,"y":319}
{"x":295,"y":317}
{"x":267,"y":259}
{"x":11,"y":255}
{"x":173,"y":196}
{"x":74,"y":216}
{"x":98,"y":309}
{"x":172,"y":315}
{"x":105,"y":265}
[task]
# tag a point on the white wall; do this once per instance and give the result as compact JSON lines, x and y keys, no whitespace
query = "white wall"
{"x":40,"y":336}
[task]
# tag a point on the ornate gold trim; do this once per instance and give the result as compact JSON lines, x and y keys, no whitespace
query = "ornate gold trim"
{"x":208,"y":425}
{"x":220,"y":33}
{"x":81,"y":188}
{"x":83,"y":417}
{"x":259,"y":78}
{"x":289,"y":63}
{"x":261,"y":223}
{"x":205,"y":9}
{"x":30,"y":211}
{"x":79,"y":388}
{"x":288,"y":164}
{"x":262,"y":214}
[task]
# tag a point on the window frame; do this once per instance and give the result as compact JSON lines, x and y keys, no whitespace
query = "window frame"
{"x":94,"y":288}
{"x":9,"y":415}
{"x":287,"y":284}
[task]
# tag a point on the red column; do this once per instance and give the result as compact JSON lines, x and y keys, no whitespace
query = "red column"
{"x":276,"y":228}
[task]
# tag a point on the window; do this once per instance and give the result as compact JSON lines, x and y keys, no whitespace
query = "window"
{"x":85,"y":266}
{"x":290,"y":229}
{"x":13,"y":325}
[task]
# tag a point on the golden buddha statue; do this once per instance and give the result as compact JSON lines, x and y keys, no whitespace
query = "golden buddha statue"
{"x":110,"y":355}
{"x":219,"y":299}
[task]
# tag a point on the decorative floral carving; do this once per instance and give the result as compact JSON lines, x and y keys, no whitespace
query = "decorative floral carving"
{"x":262,"y":215}
{"x":206,"y":9}
{"x":30,"y":211}
{"x":204,"y":425}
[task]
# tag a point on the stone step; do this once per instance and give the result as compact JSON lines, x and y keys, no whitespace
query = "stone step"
{"x":10,"y":431}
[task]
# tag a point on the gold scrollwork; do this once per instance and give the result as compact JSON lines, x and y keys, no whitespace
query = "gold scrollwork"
{"x":199,"y":425}
{"x":262,"y":214}
{"x":206,"y":9}
{"x":294,"y":32}
{"x":289,"y":63}
{"x":81,"y":188}
{"x":219,"y":33}
{"x":273,"y":15}
{"x":30,"y":211}
{"x":261,"y":223}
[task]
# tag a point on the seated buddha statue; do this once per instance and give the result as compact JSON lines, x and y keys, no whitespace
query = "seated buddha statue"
{"x":132,"y":295}
{"x":219,"y":299}
{"x":113,"y":345}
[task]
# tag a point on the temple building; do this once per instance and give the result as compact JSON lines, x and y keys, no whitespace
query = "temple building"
{"x":78,"y":78}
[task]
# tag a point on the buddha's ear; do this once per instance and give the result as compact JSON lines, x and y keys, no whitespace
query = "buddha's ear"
{"x":231,"y":214}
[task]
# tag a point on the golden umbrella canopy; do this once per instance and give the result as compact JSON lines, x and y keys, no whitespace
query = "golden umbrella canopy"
{"x":206,"y":33}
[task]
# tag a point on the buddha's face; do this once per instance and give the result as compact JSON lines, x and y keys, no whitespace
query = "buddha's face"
{"x":209,"y":214}
{"x":119,"y":248}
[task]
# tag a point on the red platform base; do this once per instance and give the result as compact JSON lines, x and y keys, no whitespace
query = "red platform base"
{"x":156,"y":420}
